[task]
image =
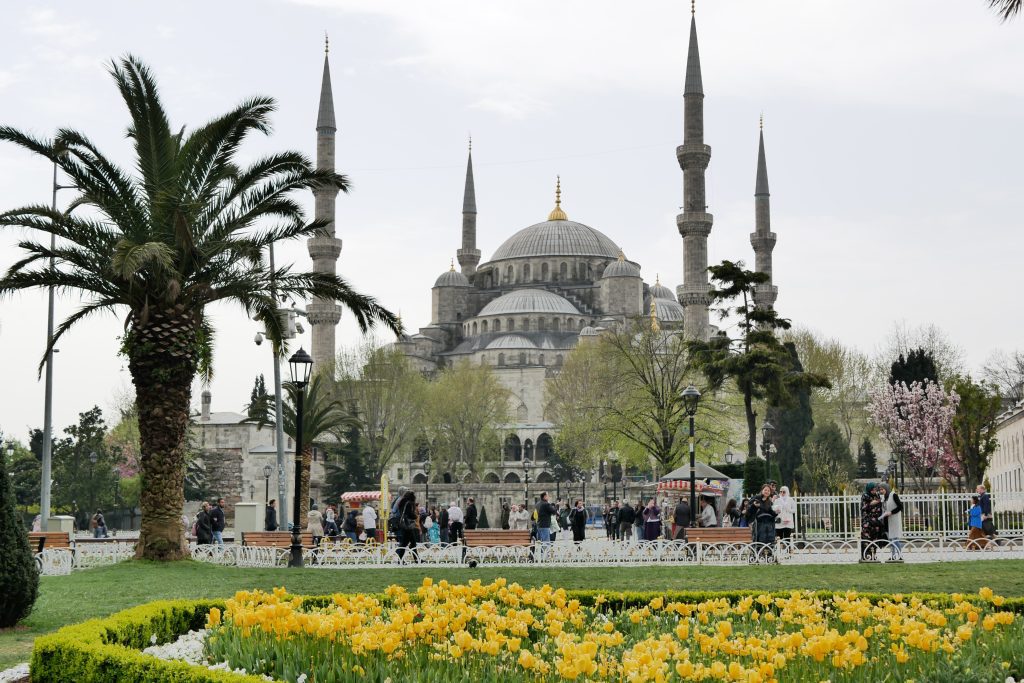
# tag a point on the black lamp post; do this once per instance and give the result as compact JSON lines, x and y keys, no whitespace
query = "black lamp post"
{"x":252,"y":491}
{"x":301,"y":365}
{"x":728,"y":456}
{"x":526,"y":479}
{"x":267,"y":469}
{"x":767,"y":429}
{"x":691,"y":397}
{"x":426,"y":471}
{"x":614,"y":457}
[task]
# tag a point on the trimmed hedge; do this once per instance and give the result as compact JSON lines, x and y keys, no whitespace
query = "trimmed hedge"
{"x":110,"y":650}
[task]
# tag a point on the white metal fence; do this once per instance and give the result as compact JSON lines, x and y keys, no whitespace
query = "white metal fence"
{"x":925,"y":515}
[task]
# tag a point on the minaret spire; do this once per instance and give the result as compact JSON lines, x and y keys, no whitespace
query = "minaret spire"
{"x":324,"y":314}
{"x":695,"y":222}
{"x":469,"y":255}
{"x":763,"y":239}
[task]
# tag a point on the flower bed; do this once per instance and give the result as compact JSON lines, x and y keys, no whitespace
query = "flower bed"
{"x":477,"y":632}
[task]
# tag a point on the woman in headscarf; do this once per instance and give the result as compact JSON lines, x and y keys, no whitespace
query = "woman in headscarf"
{"x":872,"y":529}
{"x":785,"y":514}
{"x":652,"y":521}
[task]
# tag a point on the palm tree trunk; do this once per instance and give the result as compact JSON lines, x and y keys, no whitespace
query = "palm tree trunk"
{"x":162,"y":359}
{"x":307,"y":464}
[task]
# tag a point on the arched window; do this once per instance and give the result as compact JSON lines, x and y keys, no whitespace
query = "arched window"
{"x":544,"y":478}
{"x":558,"y":361}
{"x":420,"y":479}
{"x":522,"y":358}
{"x":590,"y":271}
{"x":501,"y":359}
{"x":491,"y":478}
{"x":483,"y":327}
{"x":556,"y":324}
{"x":528,"y":449}
{"x":522,"y":414}
{"x":511,"y":324}
{"x":542,"y":324}
{"x":545,"y":446}
{"x":512,"y":478}
{"x":483,"y":359}
{"x":474,"y":329}
{"x":563,"y":271}
{"x":497,"y":324}
{"x":544,"y":271}
{"x":513,"y":448}
{"x":526,"y":272}
{"x":511,"y":276}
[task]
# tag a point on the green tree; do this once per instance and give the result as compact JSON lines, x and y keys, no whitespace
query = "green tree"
{"x":974,"y":426}
{"x":917,"y":366}
{"x":389,"y":394}
{"x":867,"y":461}
{"x":347,"y":469}
{"x":753,"y":475}
{"x":756,"y":361}
{"x":85,"y":471}
{"x":793,"y":422}
{"x":25,"y":469}
{"x":19,"y":580}
{"x":258,"y":400}
{"x":827,"y":461}
{"x":464,"y":407}
{"x":323,"y":416}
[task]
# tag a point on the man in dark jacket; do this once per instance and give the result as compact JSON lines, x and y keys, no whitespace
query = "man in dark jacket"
{"x":506,"y":510}
{"x":472,"y":516}
{"x":578,"y":522}
{"x":680,"y":519}
{"x":217,"y":520}
{"x":442,"y":520}
{"x":545,"y":511}
{"x":613,"y":520}
{"x":270,"y":522}
{"x":204,"y":526}
{"x":626,"y":517}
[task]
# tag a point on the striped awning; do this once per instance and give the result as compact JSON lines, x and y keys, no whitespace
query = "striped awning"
{"x":703,"y":488}
{"x":359,"y":496}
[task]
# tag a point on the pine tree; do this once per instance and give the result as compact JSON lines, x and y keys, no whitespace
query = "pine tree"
{"x":753,"y":476}
{"x":793,"y":422}
{"x":257,"y":408}
{"x":867,"y":462}
{"x":350,"y":470}
{"x":19,"y":580}
{"x":917,"y":366}
{"x":482,"y":523}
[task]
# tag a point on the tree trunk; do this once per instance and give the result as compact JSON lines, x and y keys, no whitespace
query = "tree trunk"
{"x":162,"y":353}
{"x":307,"y":464}
{"x":748,"y":407}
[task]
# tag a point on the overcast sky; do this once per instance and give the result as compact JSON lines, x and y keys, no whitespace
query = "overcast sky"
{"x":893,"y":133}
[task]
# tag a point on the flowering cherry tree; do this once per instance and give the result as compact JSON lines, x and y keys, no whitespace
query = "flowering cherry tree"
{"x":916,"y":420}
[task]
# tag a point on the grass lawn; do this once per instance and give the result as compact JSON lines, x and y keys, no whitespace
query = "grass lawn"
{"x":102,"y":591}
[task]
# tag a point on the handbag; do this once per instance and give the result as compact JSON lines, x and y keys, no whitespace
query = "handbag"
{"x":988,"y":527}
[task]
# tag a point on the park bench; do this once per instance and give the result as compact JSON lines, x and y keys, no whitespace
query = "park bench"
{"x":496,"y":537}
{"x":716,"y":534}
{"x":50,"y":540}
{"x":274,"y":539}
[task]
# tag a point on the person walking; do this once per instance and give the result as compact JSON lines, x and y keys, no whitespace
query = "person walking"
{"x":680,"y":520}
{"x":613,"y":520}
{"x":455,"y":523}
{"x":606,"y":521}
{"x":350,"y":525}
{"x":330,"y":522}
{"x":988,"y":524}
{"x":433,"y":526}
{"x":519,"y":518}
{"x":578,"y":522}
{"x":652,"y":521}
{"x":270,"y":516}
{"x":218,"y":521}
{"x":204,"y":525}
{"x":369,"y":521}
{"x":408,"y":526}
{"x":638,"y":520}
{"x":442,"y":524}
{"x":893,"y":518}
{"x":762,"y":518}
{"x":472,"y":515}
{"x":506,"y":513}
{"x":626,"y":517}
{"x":314,"y":524}
{"x":545,"y":513}
{"x":785,"y":514}
{"x":976,"y":538}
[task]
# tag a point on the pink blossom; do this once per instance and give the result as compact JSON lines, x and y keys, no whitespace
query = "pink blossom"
{"x":916,"y":420}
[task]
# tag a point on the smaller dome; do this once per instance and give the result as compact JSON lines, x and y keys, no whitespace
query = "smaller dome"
{"x":588,"y":331}
{"x":668,"y":310}
{"x":511,"y":341}
{"x":528,"y":301}
{"x":621,"y":268}
{"x":451,"y":278}
{"x":660,"y":291}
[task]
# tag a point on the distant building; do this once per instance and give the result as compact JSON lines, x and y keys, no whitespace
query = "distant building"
{"x":1006,"y":470}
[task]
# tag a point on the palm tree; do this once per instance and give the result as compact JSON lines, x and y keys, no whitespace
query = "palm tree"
{"x":186,"y":228}
{"x":1006,"y":9}
{"x":322,"y":415}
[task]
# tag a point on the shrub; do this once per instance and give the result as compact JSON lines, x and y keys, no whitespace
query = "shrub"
{"x":19,"y":580}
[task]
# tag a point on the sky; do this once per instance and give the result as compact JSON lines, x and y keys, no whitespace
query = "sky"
{"x":892,"y":131}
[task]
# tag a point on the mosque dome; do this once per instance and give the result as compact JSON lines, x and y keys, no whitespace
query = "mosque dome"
{"x":621,"y":268}
{"x":660,"y":291}
{"x":529,"y":301}
{"x":589,"y":331}
{"x":451,"y":278}
{"x":668,"y":310}
{"x":511,"y":341}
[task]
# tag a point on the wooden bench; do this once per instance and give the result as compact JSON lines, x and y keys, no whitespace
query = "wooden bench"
{"x":275,"y":539}
{"x":50,"y":540}
{"x":496,"y":537}
{"x":716,"y":534}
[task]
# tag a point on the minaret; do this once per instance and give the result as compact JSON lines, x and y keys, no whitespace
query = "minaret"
{"x":763,"y":239}
{"x":323,"y":313}
{"x":469,"y":255}
{"x":695,"y":222}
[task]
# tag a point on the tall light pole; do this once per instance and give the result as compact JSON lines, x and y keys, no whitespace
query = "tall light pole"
{"x":614,"y":457}
{"x":767,"y":429}
{"x":267,"y":469}
{"x":301,"y":365}
{"x":44,"y":495}
{"x":426,"y":471}
{"x":526,"y":480}
{"x":691,"y":397}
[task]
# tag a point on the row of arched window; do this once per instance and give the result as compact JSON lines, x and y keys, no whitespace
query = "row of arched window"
{"x":515,"y":449}
{"x":522,"y":358}
{"x":541,"y":324}
{"x":564,"y":271}
{"x":494,"y":478}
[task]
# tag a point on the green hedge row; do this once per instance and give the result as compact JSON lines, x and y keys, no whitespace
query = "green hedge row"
{"x":110,"y":650}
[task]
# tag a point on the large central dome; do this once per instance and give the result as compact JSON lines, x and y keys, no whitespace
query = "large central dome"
{"x":557,"y":238}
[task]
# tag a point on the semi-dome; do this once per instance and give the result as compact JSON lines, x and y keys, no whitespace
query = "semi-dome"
{"x":529,"y":301}
{"x":621,"y":268}
{"x":589,"y":331}
{"x":668,"y":310}
{"x":451,"y":278}
{"x":557,"y":238}
{"x":511,"y":341}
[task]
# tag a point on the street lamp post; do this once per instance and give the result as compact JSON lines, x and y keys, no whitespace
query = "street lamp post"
{"x":426,"y":471}
{"x":614,"y":457}
{"x":691,"y":397}
{"x":729,"y":456}
{"x":267,"y":469}
{"x":526,"y":480}
{"x":300,"y":365}
{"x":767,"y":429}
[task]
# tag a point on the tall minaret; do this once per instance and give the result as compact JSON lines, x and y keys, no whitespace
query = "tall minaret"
{"x":695,"y":222}
{"x":323,"y":313}
{"x":469,"y":255}
{"x":763,"y":239}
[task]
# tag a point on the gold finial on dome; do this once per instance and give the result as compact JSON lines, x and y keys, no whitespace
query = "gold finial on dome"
{"x":556,"y":213}
{"x":657,"y":279}
{"x":452,"y":268}
{"x":622,"y":256}
{"x":327,"y":43}
{"x":655,"y":326}
{"x":693,"y":7}
{"x":762,"y":121}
